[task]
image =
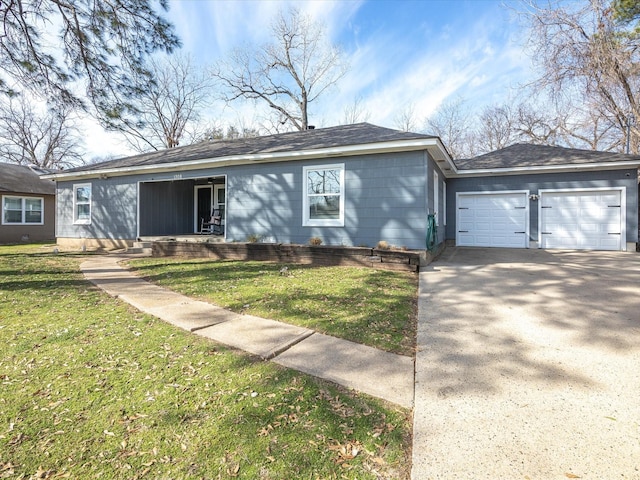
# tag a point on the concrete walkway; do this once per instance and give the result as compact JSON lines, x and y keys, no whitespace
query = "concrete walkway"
{"x":365,"y":369}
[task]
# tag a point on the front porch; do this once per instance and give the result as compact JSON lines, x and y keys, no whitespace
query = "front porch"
{"x":182,"y":208}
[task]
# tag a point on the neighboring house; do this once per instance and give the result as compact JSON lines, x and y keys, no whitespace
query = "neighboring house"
{"x":547,"y":197}
{"x":355,"y":185}
{"x":28,"y":205}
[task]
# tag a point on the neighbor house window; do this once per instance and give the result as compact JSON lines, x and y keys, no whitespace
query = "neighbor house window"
{"x":22,"y":210}
{"x":82,"y":203}
{"x":323,"y":196}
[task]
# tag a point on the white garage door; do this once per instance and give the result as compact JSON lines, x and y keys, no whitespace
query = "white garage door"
{"x":493,"y":220}
{"x":589,"y":220}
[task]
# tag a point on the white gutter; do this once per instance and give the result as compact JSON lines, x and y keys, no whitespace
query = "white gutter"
{"x":433,"y":144}
{"x":485,"y":172}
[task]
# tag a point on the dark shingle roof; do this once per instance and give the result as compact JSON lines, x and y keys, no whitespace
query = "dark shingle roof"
{"x":529,"y":155}
{"x":341,"y":136}
{"x":22,"y":179}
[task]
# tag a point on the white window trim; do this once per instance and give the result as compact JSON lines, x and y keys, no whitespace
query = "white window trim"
{"x":309,"y":222}
{"x":76,"y":220}
{"x":436,"y":199}
{"x":444,"y":203}
{"x":23,"y":206}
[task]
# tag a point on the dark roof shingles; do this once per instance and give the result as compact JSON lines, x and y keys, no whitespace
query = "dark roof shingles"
{"x":22,"y":179}
{"x":360,"y":133}
{"x":530,"y":155}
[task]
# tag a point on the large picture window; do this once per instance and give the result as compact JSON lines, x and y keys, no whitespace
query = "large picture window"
{"x":22,"y":210}
{"x":323,"y":197}
{"x":82,"y":203}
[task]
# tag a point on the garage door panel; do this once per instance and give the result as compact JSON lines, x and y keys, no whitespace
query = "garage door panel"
{"x":492,"y":220}
{"x":581,"y":220}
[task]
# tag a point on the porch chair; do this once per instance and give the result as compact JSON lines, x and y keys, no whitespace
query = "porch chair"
{"x":213,"y":225}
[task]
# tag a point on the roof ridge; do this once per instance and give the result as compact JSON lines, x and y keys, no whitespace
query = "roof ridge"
{"x":336,"y":136}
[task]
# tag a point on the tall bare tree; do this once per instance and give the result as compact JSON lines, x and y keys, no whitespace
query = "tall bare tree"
{"x":169,"y":109}
{"x":289,"y":73}
{"x":406,"y":119}
{"x":47,"y":139}
{"x":355,"y":112}
{"x":581,"y":47}
{"x":497,"y":128}
{"x":452,"y":123}
{"x":47,"y":47}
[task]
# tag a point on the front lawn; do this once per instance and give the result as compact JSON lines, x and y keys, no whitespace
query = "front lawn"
{"x":364,"y":305}
{"x":91,"y":388}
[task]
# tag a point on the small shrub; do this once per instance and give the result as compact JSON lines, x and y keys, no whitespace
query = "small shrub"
{"x":253,"y":238}
{"x":315,"y":241}
{"x":383,"y":245}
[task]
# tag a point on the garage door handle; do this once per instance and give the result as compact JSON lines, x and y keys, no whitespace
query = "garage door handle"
{"x":613,"y":233}
{"x":463,"y":231}
{"x":463,"y":208}
{"x":519,"y":232}
{"x":520,"y":208}
{"x":547,"y":233}
{"x":613,"y":206}
{"x":545,"y":206}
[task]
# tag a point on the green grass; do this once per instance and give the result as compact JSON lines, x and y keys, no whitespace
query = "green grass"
{"x":91,"y":388}
{"x":368,"y":306}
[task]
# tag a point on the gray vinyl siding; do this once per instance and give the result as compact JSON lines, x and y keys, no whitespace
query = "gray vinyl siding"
{"x":386,"y":197}
{"x":576,"y":180}
{"x":113,"y":209}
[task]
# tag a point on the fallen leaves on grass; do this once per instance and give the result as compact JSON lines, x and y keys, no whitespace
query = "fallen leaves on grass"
{"x":347,"y":451}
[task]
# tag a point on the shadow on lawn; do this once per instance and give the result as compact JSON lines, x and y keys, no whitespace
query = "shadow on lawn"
{"x":375,"y":311}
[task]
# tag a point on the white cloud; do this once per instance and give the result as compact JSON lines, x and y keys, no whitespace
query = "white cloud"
{"x":451,"y":49}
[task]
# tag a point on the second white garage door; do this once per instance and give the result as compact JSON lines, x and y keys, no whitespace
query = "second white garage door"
{"x":492,"y":219}
{"x":581,"y":219}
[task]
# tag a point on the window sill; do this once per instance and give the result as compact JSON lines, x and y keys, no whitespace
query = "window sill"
{"x":22,"y":224}
{"x":323,"y":223}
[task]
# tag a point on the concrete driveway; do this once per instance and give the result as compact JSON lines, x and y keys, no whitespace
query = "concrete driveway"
{"x":528,"y":366}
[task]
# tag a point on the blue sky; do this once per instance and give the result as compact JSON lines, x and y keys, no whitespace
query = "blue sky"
{"x":416,"y":53}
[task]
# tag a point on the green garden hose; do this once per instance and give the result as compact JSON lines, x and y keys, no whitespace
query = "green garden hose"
{"x":432,"y":232}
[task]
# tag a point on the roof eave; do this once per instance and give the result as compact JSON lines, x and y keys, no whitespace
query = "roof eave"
{"x":536,"y":169}
{"x":432,"y":144}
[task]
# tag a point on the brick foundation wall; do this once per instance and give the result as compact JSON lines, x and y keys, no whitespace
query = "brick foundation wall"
{"x":300,"y":254}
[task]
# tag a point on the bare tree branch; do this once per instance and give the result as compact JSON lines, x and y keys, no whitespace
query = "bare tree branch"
{"x":406,"y":119}
{"x":355,"y":112}
{"x":28,"y":137}
{"x":452,"y":123}
{"x":288,"y":74}
{"x":168,"y":111}
{"x":581,"y":47}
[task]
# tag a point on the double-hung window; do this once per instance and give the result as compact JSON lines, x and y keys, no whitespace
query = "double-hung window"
{"x":82,"y":203}
{"x":22,"y":210}
{"x":323,"y":196}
